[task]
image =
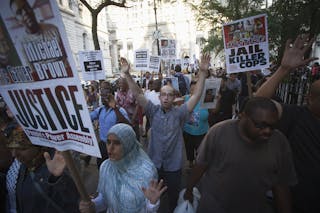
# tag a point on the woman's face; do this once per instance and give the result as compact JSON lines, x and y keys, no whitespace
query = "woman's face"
{"x":114,"y":147}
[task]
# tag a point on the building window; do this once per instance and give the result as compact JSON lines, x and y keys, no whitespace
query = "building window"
{"x":84,"y":41}
{"x":70,"y":4}
{"x":80,"y":8}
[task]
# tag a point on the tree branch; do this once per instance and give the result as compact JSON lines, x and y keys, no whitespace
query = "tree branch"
{"x":87,"y":5}
{"x":106,"y":3}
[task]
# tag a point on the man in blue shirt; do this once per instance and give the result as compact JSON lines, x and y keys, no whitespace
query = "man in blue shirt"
{"x":167,"y":121}
{"x":108,"y":115}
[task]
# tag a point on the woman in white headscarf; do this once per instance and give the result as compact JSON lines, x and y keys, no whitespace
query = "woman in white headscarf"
{"x":125,"y":176}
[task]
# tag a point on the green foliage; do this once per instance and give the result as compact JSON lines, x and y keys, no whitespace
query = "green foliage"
{"x":286,"y":19}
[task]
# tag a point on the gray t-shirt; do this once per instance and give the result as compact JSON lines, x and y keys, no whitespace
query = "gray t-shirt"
{"x":239,"y":174}
{"x":166,"y":142}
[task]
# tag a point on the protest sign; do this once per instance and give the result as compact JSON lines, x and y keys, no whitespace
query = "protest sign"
{"x":39,"y":80}
{"x":185,"y":64}
{"x":173,"y":81}
{"x":178,"y":61}
{"x":91,"y":64}
{"x":246,"y":44}
{"x":172,"y":62}
{"x":208,"y":98}
{"x":168,"y":48}
{"x":141,"y":59}
{"x":154,"y":63}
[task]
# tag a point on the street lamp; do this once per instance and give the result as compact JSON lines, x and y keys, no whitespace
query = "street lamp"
{"x":157,"y":32}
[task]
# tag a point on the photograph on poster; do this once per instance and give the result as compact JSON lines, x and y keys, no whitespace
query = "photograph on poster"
{"x":41,"y":44}
{"x":209,"y":95}
{"x":173,"y":81}
{"x":246,"y":44}
{"x":208,"y":98}
{"x":39,"y":80}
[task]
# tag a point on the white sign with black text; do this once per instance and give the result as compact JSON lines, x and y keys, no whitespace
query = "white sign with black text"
{"x":141,"y":59}
{"x":154,"y":63}
{"x":91,"y":64}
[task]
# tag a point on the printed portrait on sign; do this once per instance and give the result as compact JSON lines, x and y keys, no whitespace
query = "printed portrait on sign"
{"x":41,"y":43}
{"x":164,"y":43}
{"x":209,"y":95}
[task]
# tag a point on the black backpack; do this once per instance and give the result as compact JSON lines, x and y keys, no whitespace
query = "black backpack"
{"x":182,"y":84}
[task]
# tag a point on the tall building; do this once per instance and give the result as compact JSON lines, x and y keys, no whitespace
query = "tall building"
{"x":134,"y":28}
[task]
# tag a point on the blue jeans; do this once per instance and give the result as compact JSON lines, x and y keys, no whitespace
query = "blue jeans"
{"x":173,"y":181}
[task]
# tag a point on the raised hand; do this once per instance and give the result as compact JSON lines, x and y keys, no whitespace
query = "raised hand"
{"x":154,"y":191}
{"x":188,"y":195}
{"x":86,"y":207}
{"x":205,"y":62}
{"x":293,"y":56}
{"x":55,"y":165}
{"x":125,"y":67}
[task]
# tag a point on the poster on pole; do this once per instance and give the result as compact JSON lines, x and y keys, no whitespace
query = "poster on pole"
{"x":39,"y":80}
{"x":154,"y":63}
{"x":173,"y":81}
{"x":168,"y":48}
{"x":141,"y":59}
{"x":246,"y":44}
{"x":208,"y":99}
{"x":178,"y":61}
{"x":91,"y":64}
{"x":185,"y":64}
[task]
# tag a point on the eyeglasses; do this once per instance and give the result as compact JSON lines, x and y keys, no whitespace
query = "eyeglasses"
{"x":169,"y":95}
{"x":262,"y":125}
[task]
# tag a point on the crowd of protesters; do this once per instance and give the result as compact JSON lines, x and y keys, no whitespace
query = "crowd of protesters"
{"x":248,"y":154}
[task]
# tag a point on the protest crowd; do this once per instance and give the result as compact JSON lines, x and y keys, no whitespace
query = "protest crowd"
{"x":265,"y":159}
{"x":246,"y":150}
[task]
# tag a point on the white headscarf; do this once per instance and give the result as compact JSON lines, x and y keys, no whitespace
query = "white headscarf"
{"x":120,"y":182}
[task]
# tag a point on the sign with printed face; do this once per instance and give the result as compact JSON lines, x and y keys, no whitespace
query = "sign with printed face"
{"x":141,"y":59}
{"x":246,"y":44}
{"x":39,"y":80}
{"x":168,"y":48}
{"x":91,"y":63}
{"x":208,"y":98}
{"x":173,"y":81}
{"x":185,"y":63}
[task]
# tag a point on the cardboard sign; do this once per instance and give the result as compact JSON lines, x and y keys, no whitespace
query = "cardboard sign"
{"x":168,"y":48}
{"x":246,"y":44}
{"x":208,"y":98}
{"x":154,"y":63}
{"x":91,"y":63}
{"x":39,"y":80}
{"x":173,"y":81}
{"x":141,"y":59}
{"x":185,"y":64}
